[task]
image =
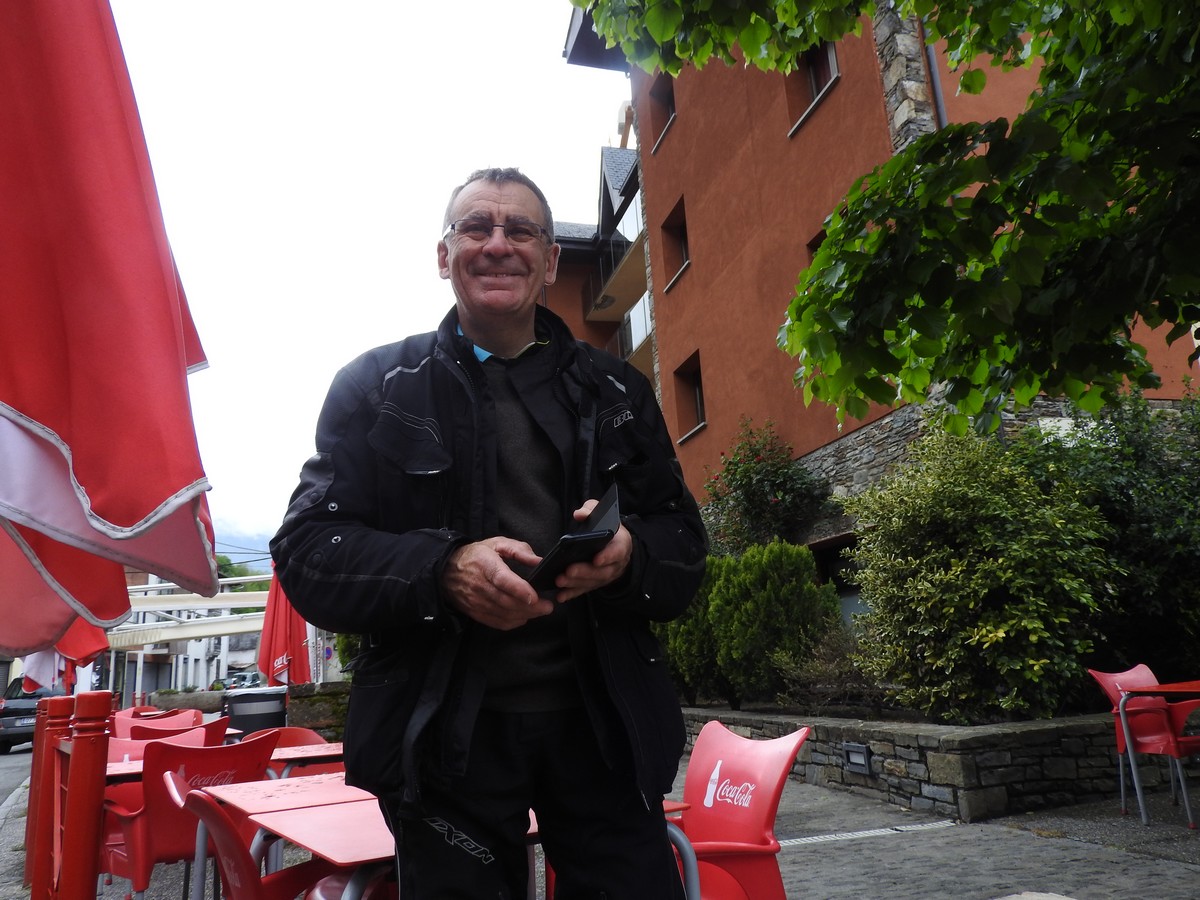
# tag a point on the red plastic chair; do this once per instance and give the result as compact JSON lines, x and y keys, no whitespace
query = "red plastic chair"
{"x":214,"y":731}
{"x":733,"y":786}
{"x":240,"y":873}
{"x":143,"y":827}
{"x":135,"y":711}
{"x":295,"y":736}
{"x":176,"y":718}
{"x":128,"y":749}
{"x":1156,"y":727}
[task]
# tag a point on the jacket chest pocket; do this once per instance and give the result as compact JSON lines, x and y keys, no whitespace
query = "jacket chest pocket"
{"x":415,"y":473}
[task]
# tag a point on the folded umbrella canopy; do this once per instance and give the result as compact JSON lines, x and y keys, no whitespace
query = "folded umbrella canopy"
{"x":99,"y":466}
{"x":283,"y":647}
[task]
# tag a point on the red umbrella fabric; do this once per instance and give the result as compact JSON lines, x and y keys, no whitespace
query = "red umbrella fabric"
{"x":99,"y":466}
{"x":283,"y":647}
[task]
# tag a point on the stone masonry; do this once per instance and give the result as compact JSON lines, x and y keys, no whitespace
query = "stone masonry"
{"x":970,"y":773}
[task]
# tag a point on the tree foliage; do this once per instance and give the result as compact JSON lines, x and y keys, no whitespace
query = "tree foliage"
{"x":983,"y":585}
{"x":690,"y":644}
{"x":767,"y":601}
{"x":1140,"y":467}
{"x":988,"y":262}
{"x":761,"y":493}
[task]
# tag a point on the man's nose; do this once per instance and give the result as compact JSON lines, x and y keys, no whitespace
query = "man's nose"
{"x":497,"y":243}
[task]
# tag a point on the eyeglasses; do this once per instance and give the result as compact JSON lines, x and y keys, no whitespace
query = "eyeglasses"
{"x":478,"y":230}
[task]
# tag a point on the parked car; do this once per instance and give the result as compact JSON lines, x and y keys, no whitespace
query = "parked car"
{"x":18,"y":709}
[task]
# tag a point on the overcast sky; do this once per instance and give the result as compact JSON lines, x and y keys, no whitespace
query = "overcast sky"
{"x":304,"y":152}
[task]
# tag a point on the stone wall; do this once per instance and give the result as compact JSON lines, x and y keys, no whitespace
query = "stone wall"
{"x":969,"y":773}
{"x":321,"y":707}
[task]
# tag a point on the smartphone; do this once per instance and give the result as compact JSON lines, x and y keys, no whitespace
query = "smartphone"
{"x":580,"y":545}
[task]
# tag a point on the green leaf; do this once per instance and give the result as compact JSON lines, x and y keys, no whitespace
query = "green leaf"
{"x":973,"y":81}
{"x":663,"y":19}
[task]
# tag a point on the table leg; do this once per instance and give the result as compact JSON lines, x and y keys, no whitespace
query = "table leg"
{"x":200,"y":863}
{"x":1133,"y":766}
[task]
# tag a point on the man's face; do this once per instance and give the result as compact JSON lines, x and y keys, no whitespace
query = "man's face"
{"x":496,"y":277}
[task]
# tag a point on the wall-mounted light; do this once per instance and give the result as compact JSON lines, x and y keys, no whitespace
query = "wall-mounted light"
{"x":858,"y":758}
{"x":604,"y":301}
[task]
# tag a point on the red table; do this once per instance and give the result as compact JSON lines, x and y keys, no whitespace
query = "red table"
{"x":352,"y":834}
{"x":1179,"y":690}
{"x":272,"y":795}
{"x":306,"y":755}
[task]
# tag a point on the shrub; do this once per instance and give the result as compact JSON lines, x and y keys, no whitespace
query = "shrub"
{"x":828,"y":676}
{"x":982,"y":584}
{"x":690,"y":644}
{"x":760,"y":494}
{"x":1141,"y":468}
{"x":766,"y":601}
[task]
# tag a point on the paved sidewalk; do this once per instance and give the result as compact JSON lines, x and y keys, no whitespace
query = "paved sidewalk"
{"x":843,"y":846}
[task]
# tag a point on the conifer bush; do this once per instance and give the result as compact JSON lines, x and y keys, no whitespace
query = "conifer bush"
{"x":764,"y":602}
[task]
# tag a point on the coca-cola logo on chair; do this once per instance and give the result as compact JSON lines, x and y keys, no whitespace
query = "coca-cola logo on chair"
{"x":725,"y":791}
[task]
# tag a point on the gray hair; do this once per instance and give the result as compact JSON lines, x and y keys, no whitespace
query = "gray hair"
{"x":503,"y":176}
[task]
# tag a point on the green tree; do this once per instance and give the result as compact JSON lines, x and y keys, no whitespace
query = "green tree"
{"x":227,"y":568}
{"x":987,"y":262}
{"x":983,"y":585}
{"x":767,"y":601}
{"x":761,"y":493}
{"x":1141,"y":468}
{"x":690,"y":644}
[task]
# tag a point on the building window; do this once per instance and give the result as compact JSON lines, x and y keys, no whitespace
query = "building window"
{"x":814,"y":245}
{"x":809,"y":84}
{"x":676,"y":255}
{"x":662,"y":108}
{"x":689,"y":394}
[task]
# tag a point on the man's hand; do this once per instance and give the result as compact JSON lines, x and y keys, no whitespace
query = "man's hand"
{"x":479,"y":584}
{"x":606,"y":567}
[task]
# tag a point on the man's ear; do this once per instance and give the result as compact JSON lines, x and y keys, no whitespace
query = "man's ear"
{"x":443,"y":260}
{"x":551,"y":263}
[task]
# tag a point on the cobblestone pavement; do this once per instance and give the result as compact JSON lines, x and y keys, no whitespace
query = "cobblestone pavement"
{"x":839,"y":845}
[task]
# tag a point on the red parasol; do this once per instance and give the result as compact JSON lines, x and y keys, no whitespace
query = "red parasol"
{"x":283,"y":647}
{"x":99,"y":466}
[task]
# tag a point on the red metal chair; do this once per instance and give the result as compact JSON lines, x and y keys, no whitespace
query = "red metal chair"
{"x":176,"y":718}
{"x":732,"y":787}
{"x":214,"y":730}
{"x":240,"y":872}
{"x":1156,"y":727}
{"x":143,"y":827}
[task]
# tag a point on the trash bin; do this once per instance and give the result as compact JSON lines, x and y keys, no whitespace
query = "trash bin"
{"x":253,"y":709}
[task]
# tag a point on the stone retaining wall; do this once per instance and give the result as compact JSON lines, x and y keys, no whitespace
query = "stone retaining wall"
{"x":968,"y":773}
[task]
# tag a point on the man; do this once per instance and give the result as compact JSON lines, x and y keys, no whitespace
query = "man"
{"x":447,"y":465}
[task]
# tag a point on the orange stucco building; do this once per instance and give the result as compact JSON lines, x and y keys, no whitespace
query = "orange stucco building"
{"x":735,"y":173}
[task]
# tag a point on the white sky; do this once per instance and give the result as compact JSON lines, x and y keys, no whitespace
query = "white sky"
{"x":304,"y":152}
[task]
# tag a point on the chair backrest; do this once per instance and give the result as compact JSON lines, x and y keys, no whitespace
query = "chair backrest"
{"x":176,"y":718}
{"x":135,"y":711}
{"x":733,"y":785}
{"x":129,"y":749}
{"x":239,"y":873}
{"x":1112,"y":683}
{"x":213,"y":730}
{"x":173,"y":832}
